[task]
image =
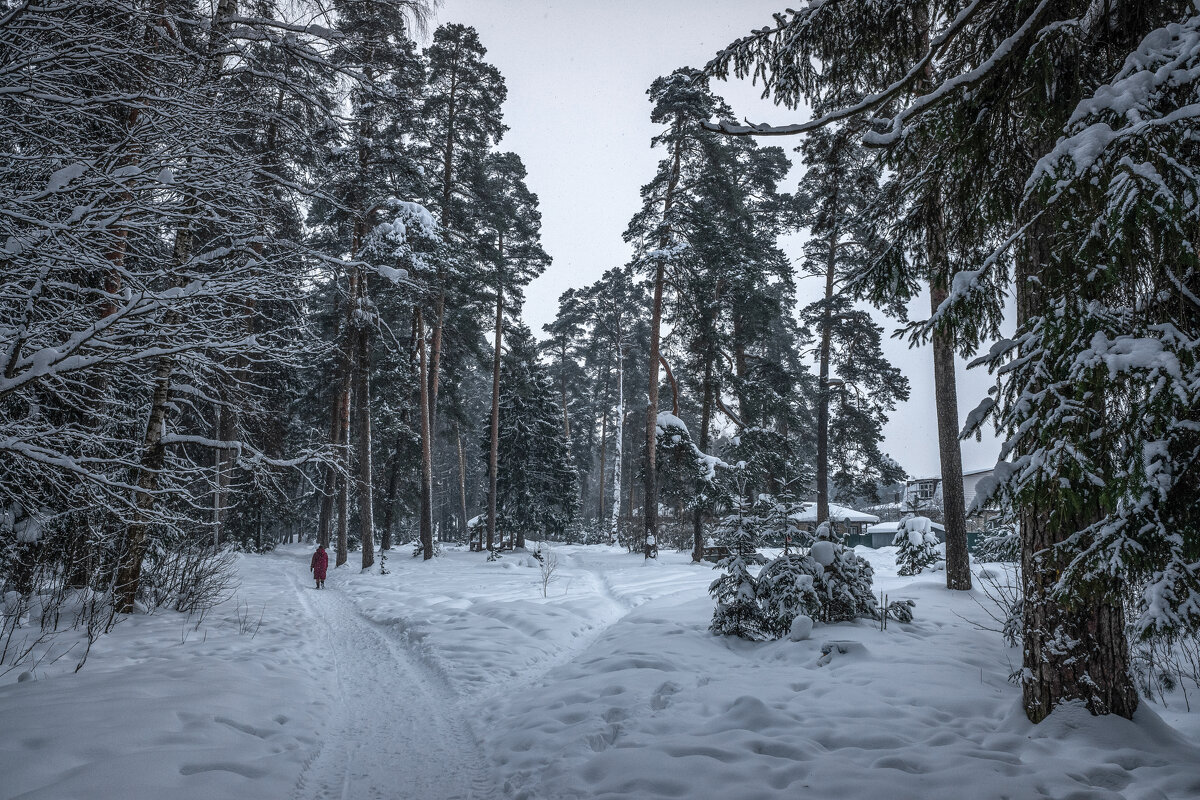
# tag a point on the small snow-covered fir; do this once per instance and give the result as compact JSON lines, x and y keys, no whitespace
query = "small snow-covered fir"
{"x":917,"y":545}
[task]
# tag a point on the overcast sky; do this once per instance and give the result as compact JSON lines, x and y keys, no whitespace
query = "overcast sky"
{"x":577,"y":73}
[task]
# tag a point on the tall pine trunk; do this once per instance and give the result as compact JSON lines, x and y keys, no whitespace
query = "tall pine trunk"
{"x":494,"y":435}
{"x":650,"y":499}
{"x":618,"y":455}
{"x":823,"y":395}
{"x":945,"y":389}
{"x":362,"y":408}
{"x":958,"y":562}
{"x":426,"y":507}
{"x":1076,"y":649}
{"x":462,"y":482}
{"x":706,"y":404}
{"x":600,"y":515}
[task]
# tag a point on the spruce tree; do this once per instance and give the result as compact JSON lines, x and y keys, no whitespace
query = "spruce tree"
{"x":536,"y":483}
{"x":736,"y":593}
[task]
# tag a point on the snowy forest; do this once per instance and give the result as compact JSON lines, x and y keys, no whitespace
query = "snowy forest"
{"x":263,"y":275}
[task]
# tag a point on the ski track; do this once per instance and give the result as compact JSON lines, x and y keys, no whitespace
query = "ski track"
{"x":396,"y":733}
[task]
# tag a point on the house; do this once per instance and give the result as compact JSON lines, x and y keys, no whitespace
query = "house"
{"x":924,"y":496}
{"x":846,"y":521}
{"x":882,"y":534}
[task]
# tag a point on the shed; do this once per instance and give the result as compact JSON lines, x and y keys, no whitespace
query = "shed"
{"x":845,"y":520}
{"x":882,"y":534}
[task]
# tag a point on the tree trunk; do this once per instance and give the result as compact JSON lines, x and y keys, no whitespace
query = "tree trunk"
{"x":823,"y":377}
{"x":343,"y":490}
{"x":705,"y":424}
{"x":494,"y":437}
{"x":603,"y":462}
{"x":329,"y":475}
{"x":366,"y":508}
{"x":1072,"y":651}
{"x":958,"y":562}
{"x":389,"y":504}
{"x":221,"y":482}
{"x":426,"y":509}
{"x":435,"y":360}
{"x":650,"y":500}
{"x":137,"y":534}
{"x":462,"y":482}
{"x":617,"y":453}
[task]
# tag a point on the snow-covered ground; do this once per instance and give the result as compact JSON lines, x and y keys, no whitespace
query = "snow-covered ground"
{"x":457,"y":679}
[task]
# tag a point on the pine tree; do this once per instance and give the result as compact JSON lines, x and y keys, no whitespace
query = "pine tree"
{"x":835,"y":201}
{"x":678,"y":99}
{"x":367,"y":164}
{"x":461,"y":123}
{"x":510,"y":245}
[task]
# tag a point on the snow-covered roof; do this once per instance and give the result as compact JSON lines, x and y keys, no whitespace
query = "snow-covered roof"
{"x":836,"y":513}
{"x":894,"y":526}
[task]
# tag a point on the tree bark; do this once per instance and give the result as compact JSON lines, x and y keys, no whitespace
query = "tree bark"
{"x":958,"y":562}
{"x":650,"y":499}
{"x":823,"y":377}
{"x":494,"y":437}
{"x":958,"y":565}
{"x":618,"y":455}
{"x":426,"y":509}
{"x":650,"y":503}
{"x":389,"y":505}
{"x":705,"y":424}
{"x":462,"y":482}
{"x":1077,"y":650}
{"x":603,"y":465}
{"x":366,"y":507}
{"x":137,"y":534}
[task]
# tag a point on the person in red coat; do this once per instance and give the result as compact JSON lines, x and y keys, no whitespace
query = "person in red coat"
{"x":319,"y":564}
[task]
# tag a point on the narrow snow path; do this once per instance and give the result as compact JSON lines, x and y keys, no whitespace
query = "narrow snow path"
{"x":396,"y":732}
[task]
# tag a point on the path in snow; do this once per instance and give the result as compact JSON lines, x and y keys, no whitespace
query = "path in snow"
{"x":397,"y":733}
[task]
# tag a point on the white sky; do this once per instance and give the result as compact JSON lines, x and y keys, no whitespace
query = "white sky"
{"x":577,"y":73}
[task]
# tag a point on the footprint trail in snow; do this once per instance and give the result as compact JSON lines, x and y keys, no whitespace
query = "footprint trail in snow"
{"x":395,"y":732}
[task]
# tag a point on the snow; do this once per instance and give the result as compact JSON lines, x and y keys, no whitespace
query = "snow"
{"x":611,"y":687}
{"x":822,"y":552}
{"x":802,"y":626}
{"x":59,"y":179}
{"x":808,"y":513}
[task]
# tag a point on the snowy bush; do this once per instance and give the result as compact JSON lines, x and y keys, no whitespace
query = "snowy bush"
{"x":847,"y":588}
{"x":787,"y":588}
{"x":918,"y":545}
{"x":829,"y":584}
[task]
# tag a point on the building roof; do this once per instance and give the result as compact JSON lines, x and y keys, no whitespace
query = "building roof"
{"x":894,"y":526}
{"x":808,"y":513}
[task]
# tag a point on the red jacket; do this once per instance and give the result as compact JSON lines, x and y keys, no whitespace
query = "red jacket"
{"x":320,"y":563}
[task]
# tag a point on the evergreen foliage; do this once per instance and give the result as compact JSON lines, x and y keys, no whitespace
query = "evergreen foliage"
{"x":736,"y":591}
{"x":916,"y":545}
{"x":536,"y":482}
